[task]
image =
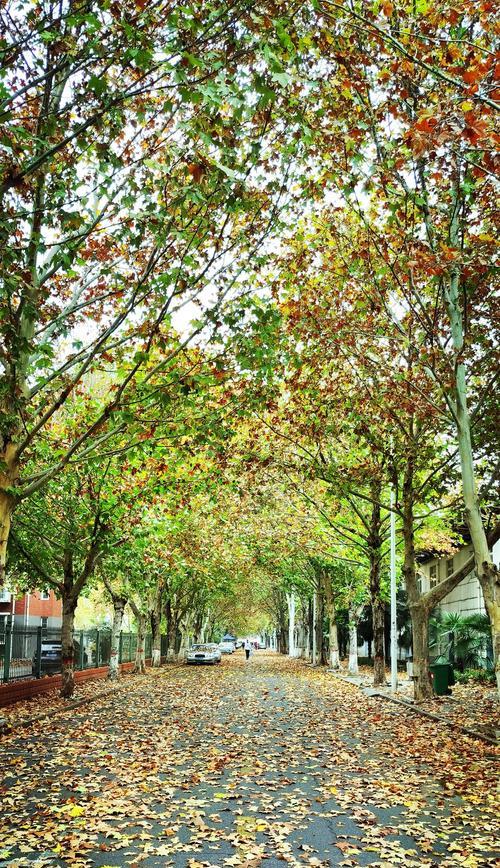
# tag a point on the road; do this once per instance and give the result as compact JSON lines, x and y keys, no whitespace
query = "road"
{"x":269,"y":762}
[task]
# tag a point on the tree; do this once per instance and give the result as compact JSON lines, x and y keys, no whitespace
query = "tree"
{"x":135,"y":152}
{"x":412,"y":155}
{"x":57,"y":544}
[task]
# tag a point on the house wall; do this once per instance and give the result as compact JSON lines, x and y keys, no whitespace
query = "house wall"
{"x":467,"y":597}
{"x":30,"y":609}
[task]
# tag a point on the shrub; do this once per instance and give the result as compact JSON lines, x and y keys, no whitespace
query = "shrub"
{"x":481,"y":676}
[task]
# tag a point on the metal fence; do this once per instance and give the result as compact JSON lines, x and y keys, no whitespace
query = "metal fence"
{"x":33,"y":652}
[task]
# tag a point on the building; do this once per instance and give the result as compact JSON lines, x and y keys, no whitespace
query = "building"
{"x":467,"y":598}
{"x":34,"y":609}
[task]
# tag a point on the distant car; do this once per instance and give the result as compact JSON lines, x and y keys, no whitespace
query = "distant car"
{"x":51,"y":657}
{"x":208,"y":653}
{"x":261,"y":646}
{"x":226,"y":647}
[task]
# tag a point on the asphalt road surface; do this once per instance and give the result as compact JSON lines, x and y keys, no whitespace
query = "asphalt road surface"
{"x":264,"y":763}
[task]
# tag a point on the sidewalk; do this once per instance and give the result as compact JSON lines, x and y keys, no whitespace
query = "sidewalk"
{"x":472,"y":706}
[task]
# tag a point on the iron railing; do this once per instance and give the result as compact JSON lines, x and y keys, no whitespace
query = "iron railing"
{"x":23,"y":650}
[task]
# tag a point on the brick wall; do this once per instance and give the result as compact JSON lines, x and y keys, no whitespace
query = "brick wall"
{"x":38,"y":608}
{"x":16,"y":691}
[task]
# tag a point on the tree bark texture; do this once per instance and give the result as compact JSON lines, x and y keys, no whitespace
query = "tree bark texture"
{"x":419,"y":611}
{"x":140,"y":655}
{"x":67,"y":647}
{"x":333,"y":633}
{"x":376,"y":600}
{"x":486,"y":571}
{"x":354,"y":615}
{"x":119,"y":604}
{"x":9,"y":473}
{"x":156,"y":632}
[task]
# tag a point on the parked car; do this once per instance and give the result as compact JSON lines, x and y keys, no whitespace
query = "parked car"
{"x":51,"y":657}
{"x":226,"y":647}
{"x":208,"y":653}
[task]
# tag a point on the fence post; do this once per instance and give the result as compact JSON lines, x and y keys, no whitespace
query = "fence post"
{"x":38,"y":655}
{"x":81,"y":662}
{"x":120,"y":648}
{"x":8,"y":649}
{"x":97,"y":647}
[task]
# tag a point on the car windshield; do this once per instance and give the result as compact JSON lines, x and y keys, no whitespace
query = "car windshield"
{"x":202,"y":648}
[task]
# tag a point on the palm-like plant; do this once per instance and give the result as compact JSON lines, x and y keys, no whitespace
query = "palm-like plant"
{"x":463,"y":640}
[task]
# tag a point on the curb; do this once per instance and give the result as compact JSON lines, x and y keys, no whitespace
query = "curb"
{"x":412,"y":707}
{"x":6,"y":728}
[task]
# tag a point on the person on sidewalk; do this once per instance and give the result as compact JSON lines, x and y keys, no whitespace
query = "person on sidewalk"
{"x":248,"y":647}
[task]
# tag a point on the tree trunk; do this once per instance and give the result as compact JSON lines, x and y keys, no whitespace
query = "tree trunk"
{"x":156,"y":643}
{"x":67,"y":647}
{"x":377,"y":603}
{"x":353,"y":641}
{"x":421,"y":671}
{"x":315,"y":628}
{"x":177,"y":641}
{"x":9,"y":473}
{"x":140,"y":656}
{"x":419,"y":611}
{"x":156,"y":631}
{"x":119,"y":604}
{"x":171,"y":629}
{"x":309,"y":630}
{"x":322,"y":652}
{"x":378,"y":611}
{"x":333,"y":633}
{"x":486,"y":570}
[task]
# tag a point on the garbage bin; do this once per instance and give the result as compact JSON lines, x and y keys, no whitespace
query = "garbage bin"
{"x":451,"y":675}
{"x":440,"y":675}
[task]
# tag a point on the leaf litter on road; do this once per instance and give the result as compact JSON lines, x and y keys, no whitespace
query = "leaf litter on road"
{"x":246,"y":766}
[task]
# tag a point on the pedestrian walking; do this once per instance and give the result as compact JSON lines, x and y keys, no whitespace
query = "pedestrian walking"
{"x":248,"y":647}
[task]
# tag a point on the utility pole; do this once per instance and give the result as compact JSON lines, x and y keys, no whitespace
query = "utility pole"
{"x":314,"y":636}
{"x":290,"y":598}
{"x":394,"y":629}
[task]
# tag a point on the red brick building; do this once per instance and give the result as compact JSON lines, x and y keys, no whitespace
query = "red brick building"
{"x":36,"y":609}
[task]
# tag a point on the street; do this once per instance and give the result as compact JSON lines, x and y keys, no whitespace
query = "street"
{"x":268,"y":762}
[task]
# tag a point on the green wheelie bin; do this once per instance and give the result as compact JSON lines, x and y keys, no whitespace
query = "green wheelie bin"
{"x":440,"y":678}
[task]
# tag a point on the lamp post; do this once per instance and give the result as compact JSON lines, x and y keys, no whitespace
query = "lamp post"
{"x":394,"y":629}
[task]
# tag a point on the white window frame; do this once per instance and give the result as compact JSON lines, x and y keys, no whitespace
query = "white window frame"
{"x":45,"y":595}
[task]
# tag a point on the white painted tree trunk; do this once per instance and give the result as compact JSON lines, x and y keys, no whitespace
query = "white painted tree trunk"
{"x":114,"y":662}
{"x":353,"y":645}
{"x":334,"y":645}
{"x":140,"y":654}
{"x":290,"y":598}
